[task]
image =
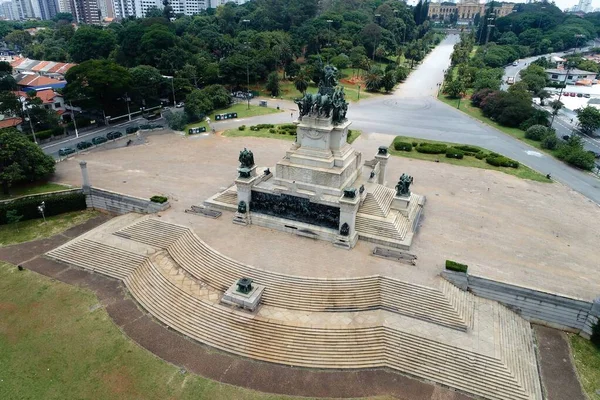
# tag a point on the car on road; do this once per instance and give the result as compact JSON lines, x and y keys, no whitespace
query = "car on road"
{"x":65,"y":151}
{"x":181,"y":104}
{"x":572,"y":94}
{"x":516,"y":63}
{"x":99,"y":140}
{"x":113,"y":135}
{"x":83,"y":145}
{"x":587,"y":95}
{"x":510,"y":80}
{"x":566,"y":138}
{"x":579,"y":94}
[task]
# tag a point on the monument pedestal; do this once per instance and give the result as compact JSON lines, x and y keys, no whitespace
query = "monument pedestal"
{"x":401,"y":203}
{"x":249,"y":300}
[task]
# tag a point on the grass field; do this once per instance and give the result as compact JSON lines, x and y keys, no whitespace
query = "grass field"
{"x":33,"y":188}
{"x":265,"y":133}
{"x":58,"y":342}
{"x":242,"y":111}
{"x":33,"y":229}
{"x":587,"y":362}
{"x":523,"y":171}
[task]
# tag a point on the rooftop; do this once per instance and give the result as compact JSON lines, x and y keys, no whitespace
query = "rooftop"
{"x":571,"y":71}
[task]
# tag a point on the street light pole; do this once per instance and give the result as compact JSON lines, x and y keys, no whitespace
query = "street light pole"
{"x":561,"y":92}
{"x":29,"y":119}
{"x":329,"y":22}
{"x":127,"y":101}
{"x":246,"y":22}
{"x":358,"y":92}
{"x":75,"y":123}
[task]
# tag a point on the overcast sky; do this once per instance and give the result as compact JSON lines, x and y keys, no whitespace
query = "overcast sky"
{"x":562,"y":4}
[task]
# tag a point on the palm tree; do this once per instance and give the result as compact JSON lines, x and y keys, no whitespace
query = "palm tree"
{"x":301,"y":82}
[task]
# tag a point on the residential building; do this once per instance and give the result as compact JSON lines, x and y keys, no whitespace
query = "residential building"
{"x":7,"y":10}
{"x":106,"y":9}
{"x":27,"y":82}
{"x":85,"y":11}
{"x":9,"y":122}
{"x":51,"y":69}
{"x":24,"y":9}
{"x":573,"y":76}
{"x":48,"y":8}
{"x":64,"y":6}
{"x":466,"y":10}
{"x":124,"y":8}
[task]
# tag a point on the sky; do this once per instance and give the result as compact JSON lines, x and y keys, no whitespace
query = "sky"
{"x":562,"y":4}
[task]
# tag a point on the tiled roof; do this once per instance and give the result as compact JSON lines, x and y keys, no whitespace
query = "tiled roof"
{"x":8,"y":122}
{"x":36,"y":80}
{"x":39,"y":66}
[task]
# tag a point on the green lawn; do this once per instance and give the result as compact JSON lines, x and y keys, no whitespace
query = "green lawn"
{"x":467,"y":108}
{"x":242,"y":111}
{"x":33,"y":188}
{"x":523,"y":171}
{"x":266,"y":133}
{"x":587,"y":362}
{"x":33,"y":229}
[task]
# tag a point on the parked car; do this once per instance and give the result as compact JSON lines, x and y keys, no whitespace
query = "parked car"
{"x":516,"y":63}
{"x":510,"y":80}
{"x":65,"y":151}
{"x":83,"y":145}
{"x":587,"y":95}
{"x":181,"y":104}
{"x":113,"y":135}
{"x":572,"y":94}
{"x":132,"y":129}
{"x":579,"y":94}
{"x":566,"y":138}
{"x":99,"y":140}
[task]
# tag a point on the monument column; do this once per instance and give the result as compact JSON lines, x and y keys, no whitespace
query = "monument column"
{"x":347,"y":236}
{"x":382,"y":156}
{"x":86,"y":179}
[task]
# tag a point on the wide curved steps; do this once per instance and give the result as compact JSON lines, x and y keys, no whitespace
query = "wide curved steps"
{"x":98,"y":257}
{"x":307,"y":346}
{"x":302,"y":293}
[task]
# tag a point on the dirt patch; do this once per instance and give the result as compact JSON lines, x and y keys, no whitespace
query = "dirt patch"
{"x":8,"y":307}
{"x":119,"y":381}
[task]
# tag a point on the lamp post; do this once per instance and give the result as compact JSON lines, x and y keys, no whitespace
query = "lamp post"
{"x":358,"y":92}
{"x":127,"y":101}
{"x":28,"y":118}
{"x":569,"y":67}
{"x":172,"y":78}
{"x":75,"y":123}
{"x":246,"y":22}
{"x":42,"y":209}
{"x":329,"y":22}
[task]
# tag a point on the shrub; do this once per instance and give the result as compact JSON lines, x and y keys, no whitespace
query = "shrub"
{"x":254,"y":128}
{"x":432,"y":148}
{"x":501,"y":161}
{"x":453,"y":152}
{"x":242,"y":128}
{"x":402,"y":146}
{"x":159,"y":199}
{"x":455,"y":266}
{"x":265,"y":126}
{"x":41,"y":135}
{"x":549,"y":142}
{"x":272,"y":130}
{"x":595,"y":337}
{"x":415,"y":144}
{"x":55,"y":204}
{"x":481,"y":155}
{"x":468,"y":149}
{"x":536,"y":132}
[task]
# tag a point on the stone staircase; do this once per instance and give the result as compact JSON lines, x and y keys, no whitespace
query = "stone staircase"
{"x":152,"y":232}
{"x":226,"y":200}
{"x":349,"y":347}
{"x":394,"y":227}
{"x":378,"y":202}
{"x":98,"y":257}
{"x":462,"y":302}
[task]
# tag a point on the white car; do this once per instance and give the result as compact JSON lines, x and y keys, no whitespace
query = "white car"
{"x":180,"y":105}
{"x":515,"y":63}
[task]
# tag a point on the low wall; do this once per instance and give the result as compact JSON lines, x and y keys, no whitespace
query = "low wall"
{"x":119,"y":203}
{"x":544,"y":308}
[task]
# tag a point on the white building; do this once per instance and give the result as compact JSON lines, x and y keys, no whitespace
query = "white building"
{"x":24,"y":9}
{"x":584,"y":6}
{"x":7,"y":10}
{"x":124,"y":8}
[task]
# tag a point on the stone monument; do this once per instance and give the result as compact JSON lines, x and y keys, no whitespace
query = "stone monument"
{"x":318,"y":190}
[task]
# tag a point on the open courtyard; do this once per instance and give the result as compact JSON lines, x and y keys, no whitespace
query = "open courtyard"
{"x":518,"y":231}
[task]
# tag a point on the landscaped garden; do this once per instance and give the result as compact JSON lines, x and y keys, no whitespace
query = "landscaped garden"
{"x":242,"y":111}
{"x":460,"y":154}
{"x":275,"y":131}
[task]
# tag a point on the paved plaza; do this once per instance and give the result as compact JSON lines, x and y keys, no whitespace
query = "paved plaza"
{"x":528,"y":233}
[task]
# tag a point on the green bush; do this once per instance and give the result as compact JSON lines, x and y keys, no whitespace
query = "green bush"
{"x":242,"y":128}
{"x":550,"y":142}
{"x":501,"y":161}
{"x":453,"y":152}
{"x":254,"y":128}
{"x":55,"y":204}
{"x":469,"y":150}
{"x":158,"y":199}
{"x":455,"y":266}
{"x":402,"y":146}
{"x":415,"y":144}
{"x":41,"y":135}
{"x":481,"y":155}
{"x":272,"y":130}
{"x":536,"y":132}
{"x":432,"y":148}
{"x":595,"y":338}
{"x":265,"y":126}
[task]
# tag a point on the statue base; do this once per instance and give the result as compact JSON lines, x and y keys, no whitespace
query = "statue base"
{"x":401,"y":204}
{"x":248,"y":301}
{"x":241,"y":219}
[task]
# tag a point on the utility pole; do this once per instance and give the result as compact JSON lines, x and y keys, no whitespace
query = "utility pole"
{"x":29,"y":119}
{"x":246,"y":22}
{"x":127,"y":101}
{"x":75,"y":123}
{"x":172,"y":78}
{"x":569,"y":67}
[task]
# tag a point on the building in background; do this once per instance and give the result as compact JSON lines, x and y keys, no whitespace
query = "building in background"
{"x":24,"y":9}
{"x":85,"y":11}
{"x":48,"y":8}
{"x":466,"y":10}
{"x":124,"y":8}
{"x":7,"y":10}
{"x":64,"y":6}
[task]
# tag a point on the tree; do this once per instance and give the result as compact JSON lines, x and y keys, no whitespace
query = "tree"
{"x":373,"y":79}
{"x":589,"y":119}
{"x":536,"y":132}
{"x":91,"y":42}
{"x":388,"y":81}
{"x":220,"y":96}
{"x":19,"y":39}
{"x":273,"y":84}
{"x":198,"y":104}
{"x":455,"y":89}
{"x":10,"y":103}
{"x":146,"y":83}
{"x":556,"y":105}
{"x":543,"y":94}
{"x":63,"y":16}
{"x":97,"y":83}
{"x":167,"y":10}
{"x":21,"y":160}
{"x":301,"y":82}
{"x":176,"y":121}
{"x":589,"y":65}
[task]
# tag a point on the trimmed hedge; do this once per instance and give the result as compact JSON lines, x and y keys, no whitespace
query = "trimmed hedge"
{"x":55,"y":204}
{"x":453,"y":152}
{"x":455,"y":266}
{"x":432,"y":148}
{"x":402,"y":146}
{"x":158,"y":199}
{"x":595,"y":338}
{"x":242,"y":127}
{"x":500,"y":161}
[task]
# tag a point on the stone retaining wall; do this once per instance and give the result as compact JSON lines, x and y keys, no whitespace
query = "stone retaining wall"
{"x":544,"y":308}
{"x":119,"y":203}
